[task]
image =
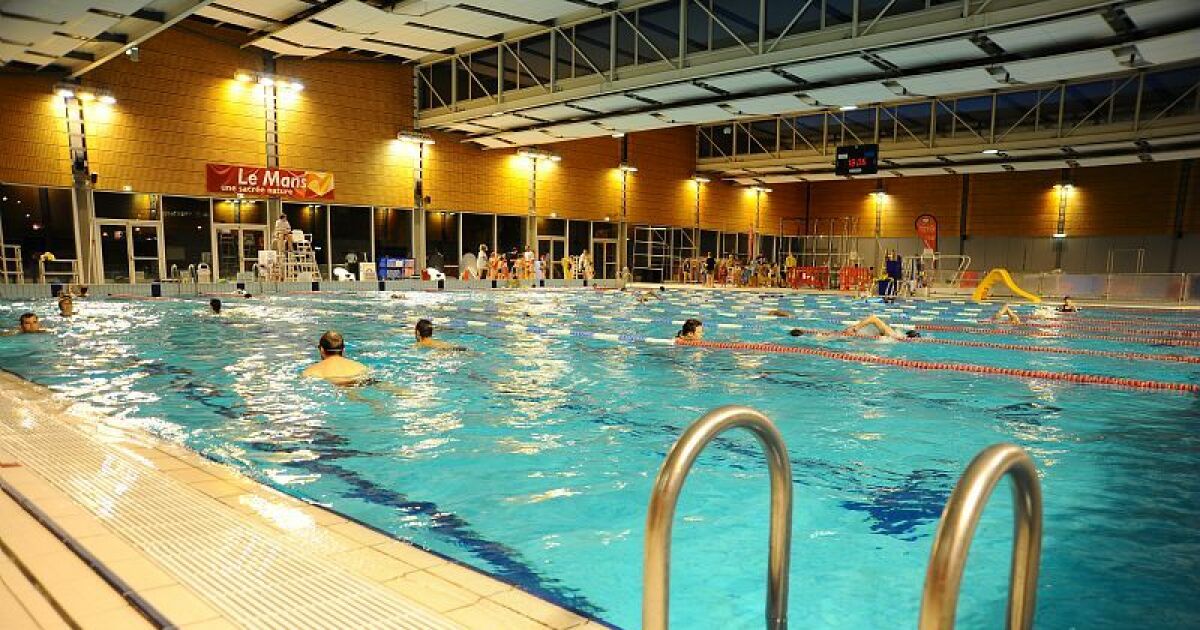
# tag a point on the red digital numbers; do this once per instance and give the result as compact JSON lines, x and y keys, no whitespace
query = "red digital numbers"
{"x":857,"y":162}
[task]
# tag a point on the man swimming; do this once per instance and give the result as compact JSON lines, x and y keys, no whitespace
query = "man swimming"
{"x":28,"y":323}
{"x":1006,"y":311}
{"x":334,"y":366}
{"x":66,"y":306}
{"x":1067,"y":306}
{"x":881,"y":329}
{"x":215,"y":305}
{"x":424,"y":334}
{"x":693,"y":330}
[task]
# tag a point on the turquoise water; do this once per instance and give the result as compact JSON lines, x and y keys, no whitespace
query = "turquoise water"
{"x":532,"y":456}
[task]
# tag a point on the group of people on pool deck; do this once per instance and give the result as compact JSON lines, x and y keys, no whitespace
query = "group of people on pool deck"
{"x":339,"y":370}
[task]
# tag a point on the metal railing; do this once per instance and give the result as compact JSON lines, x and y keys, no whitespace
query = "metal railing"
{"x":956,"y":529}
{"x":665,"y":495}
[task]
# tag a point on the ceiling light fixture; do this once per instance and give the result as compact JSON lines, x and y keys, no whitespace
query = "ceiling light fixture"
{"x":990,"y":151}
{"x":539,"y":155}
{"x":848,"y":108}
{"x":414,"y":137}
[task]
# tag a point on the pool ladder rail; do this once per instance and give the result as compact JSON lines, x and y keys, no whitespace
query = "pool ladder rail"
{"x":948,"y":558}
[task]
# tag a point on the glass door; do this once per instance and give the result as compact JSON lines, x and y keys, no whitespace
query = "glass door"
{"x":130,"y":251}
{"x":556,"y":248}
{"x":604,"y":258}
{"x":237,"y":249}
{"x":114,"y":252}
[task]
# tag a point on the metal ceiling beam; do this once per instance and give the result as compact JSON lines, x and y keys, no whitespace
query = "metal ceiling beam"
{"x":938,"y":23}
{"x":178,"y":10}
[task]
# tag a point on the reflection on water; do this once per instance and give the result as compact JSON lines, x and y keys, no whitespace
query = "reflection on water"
{"x":532,"y":457}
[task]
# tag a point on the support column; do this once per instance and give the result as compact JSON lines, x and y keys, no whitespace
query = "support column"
{"x":271,"y":139}
{"x":86,"y":247}
{"x":418,"y":221}
{"x":623,"y":225}
{"x":963,"y":206}
{"x":531,"y":217}
{"x":1181,"y":198}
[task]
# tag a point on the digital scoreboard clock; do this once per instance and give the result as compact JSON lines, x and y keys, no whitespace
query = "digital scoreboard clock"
{"x":857,"y":159}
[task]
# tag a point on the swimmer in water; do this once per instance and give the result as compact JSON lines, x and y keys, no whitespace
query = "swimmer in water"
{"x":28,"y":323}
{"x":776,"y":312}
{"x":424,"y":334}
{"x":334,"y":366}
{"x":1067,"y":306}
{"x":1007,"y":312}
{"x":215,"y":305}
{"x":693,"y":330}
{"x":881,"y":329}
{"x":66,"y":306}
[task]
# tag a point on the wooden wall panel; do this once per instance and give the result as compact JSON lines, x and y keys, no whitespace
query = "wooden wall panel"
{"x":33,"y":133}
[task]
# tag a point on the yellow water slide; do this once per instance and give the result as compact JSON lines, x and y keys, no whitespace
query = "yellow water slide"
{"x":1001,"y":275}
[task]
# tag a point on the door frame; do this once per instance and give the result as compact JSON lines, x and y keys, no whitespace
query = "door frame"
{"x":128,"y":225}
{"x":240,"y":228}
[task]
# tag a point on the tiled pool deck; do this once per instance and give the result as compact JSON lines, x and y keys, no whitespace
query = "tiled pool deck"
{"x":203,"y":545}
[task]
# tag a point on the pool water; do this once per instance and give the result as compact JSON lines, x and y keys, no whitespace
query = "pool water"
{"x":531,"y":456}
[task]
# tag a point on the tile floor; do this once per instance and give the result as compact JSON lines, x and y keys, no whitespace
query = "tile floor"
{"x":210,"y":548}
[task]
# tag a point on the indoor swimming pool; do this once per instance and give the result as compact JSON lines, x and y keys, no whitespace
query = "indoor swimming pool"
{"x":531,"y":453}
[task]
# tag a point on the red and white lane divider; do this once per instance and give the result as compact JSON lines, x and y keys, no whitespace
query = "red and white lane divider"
{"x":1083,"y":379}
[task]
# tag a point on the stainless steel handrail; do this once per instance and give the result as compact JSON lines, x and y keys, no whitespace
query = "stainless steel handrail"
{"x":957,"y":527}
{"x":663,"y":498}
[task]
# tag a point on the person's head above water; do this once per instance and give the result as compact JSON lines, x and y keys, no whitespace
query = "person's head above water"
{"x":796,"y":332}
{"x":332,"y":343}
{"x":692,"y":329}
{"x":215,"y":305}
{"x":424,"y":329}
{"x":29,"y":323}
{"x":912,"y":334}
{"x":66,"y":306}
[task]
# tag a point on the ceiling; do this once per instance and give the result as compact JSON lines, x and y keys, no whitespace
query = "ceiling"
{"x":408,"y":30}
{"x":77,"y":35}
{"x":1054,"y":48}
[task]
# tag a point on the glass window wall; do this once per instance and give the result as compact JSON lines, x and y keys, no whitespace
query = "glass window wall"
{"x":187,"y":232}
{"x":37,"y":220}
{"x":441,"y":242}
{"x":350,"y":236}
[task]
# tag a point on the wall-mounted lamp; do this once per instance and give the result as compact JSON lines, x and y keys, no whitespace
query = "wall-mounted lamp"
{"x":84,"y":94}
{"x":537,"y":155}
{"x":268,"y":80}
{"x":414,"y":137}
{"x":701,"y":179}
{"x":627,"y":168}
{"x":760,"y":189}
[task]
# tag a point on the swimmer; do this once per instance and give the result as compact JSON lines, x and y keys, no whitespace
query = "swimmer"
{"x":776,"y":312}
{"x":215,"y":305}
{"x":1007,"y":311}
{"x":644,"y":296}
{"x":28,"y":323}
{"x":424,"y":334}
{"x":881,"y":328}
{"x":334,"y":366}
{"x":1067,"y":306}
{"x":693,"y":330}
{"x":66,"y":306}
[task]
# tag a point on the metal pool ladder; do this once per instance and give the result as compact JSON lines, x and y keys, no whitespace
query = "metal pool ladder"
{"x":956,"y":529}
{"x":663,"y":498}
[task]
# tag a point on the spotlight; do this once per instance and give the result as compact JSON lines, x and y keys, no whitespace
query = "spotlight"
{"x":108,"y":99}
{"x":87,"y":97}
{"x":297,"y":86}
{"x":134,"y":53}
{"x":619,"y":134}
{"x":627,"y":168}
{"x":701,"y":179}
{"x":65,"y":91}
{"x":990,"y":151}
{"x":266,"y":81}
{"x":414,"y":137}
{"x":848,"y":108}
{"x":539,"y":154}
{"x":243,"y":77}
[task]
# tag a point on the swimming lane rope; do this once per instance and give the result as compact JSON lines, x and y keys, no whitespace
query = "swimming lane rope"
{"x":1190,"y":343}
{"x":1084,"y":379}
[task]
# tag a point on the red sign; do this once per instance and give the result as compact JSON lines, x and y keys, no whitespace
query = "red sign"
{"x":927,"y":231}
{"x":269,"y":182}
